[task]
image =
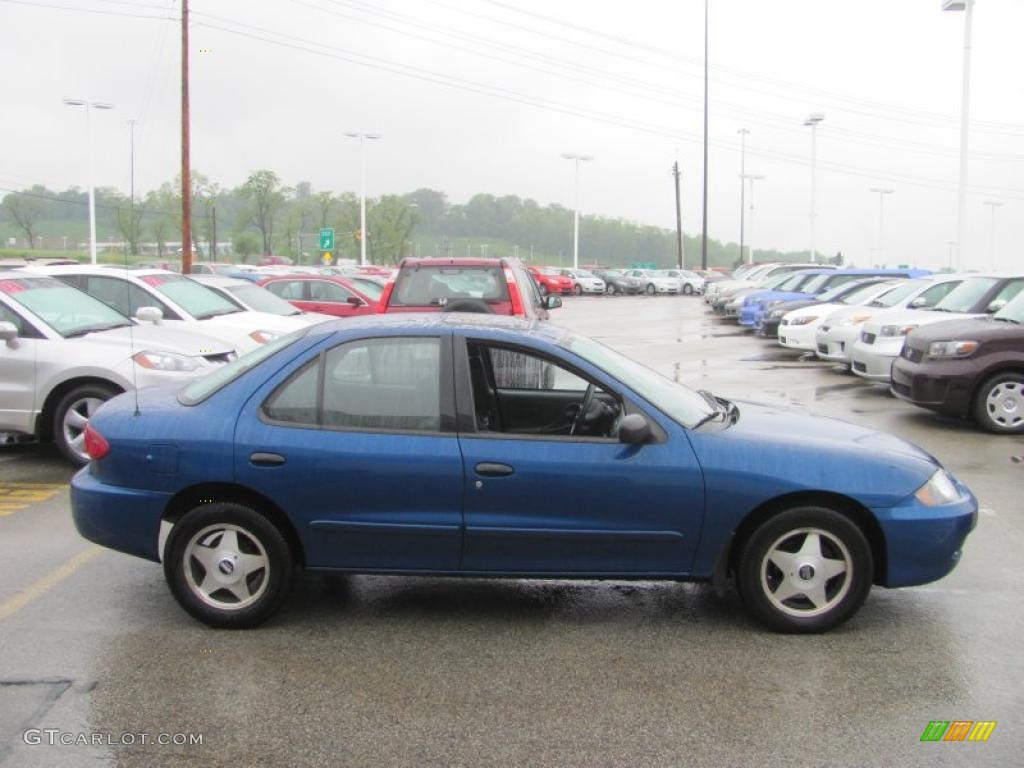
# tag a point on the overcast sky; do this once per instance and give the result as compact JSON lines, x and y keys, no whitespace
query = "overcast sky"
{"x":485,"y":95}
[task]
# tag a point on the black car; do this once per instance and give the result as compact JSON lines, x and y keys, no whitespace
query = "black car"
{"x":616,"y":281}
{"x":770,"y":325}
{"x":972,"y":367}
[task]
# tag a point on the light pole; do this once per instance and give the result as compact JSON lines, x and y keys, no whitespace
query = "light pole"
{"x":812,"y":121}
{"x":362,"y":190}
{"x":965,"y":121}
{"x":992,"y":205}
{"x":751,"y":178}
{"x":576,"y":207}
{"x":743,"y":132}
{"x":89,"y":106}
{"x":951,"y":243}
{"x":882,"y":192}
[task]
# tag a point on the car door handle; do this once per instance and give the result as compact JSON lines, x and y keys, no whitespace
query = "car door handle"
{"x":492,"y":469}
{"x":261,"y":459}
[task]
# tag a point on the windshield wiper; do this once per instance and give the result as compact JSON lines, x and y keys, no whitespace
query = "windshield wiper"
{"x":94,"y":328}
{"x":1006,"y":320}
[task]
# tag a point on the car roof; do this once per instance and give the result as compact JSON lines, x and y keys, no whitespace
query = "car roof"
{"x":454,"y":262}
{"x":468,"y":321}
{"x":104,"y":269}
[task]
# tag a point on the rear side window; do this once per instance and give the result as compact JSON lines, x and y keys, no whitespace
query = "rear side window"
{"x":289,"y":290}
{"x":426,"y":286}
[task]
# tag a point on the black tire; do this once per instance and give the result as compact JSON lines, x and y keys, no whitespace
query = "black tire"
{"x":787,"y":533}
{"x":469,"y":305}
{"x":650,"y":289}
{"x":610,"y":289}
{"x":80,"y":400}
{"x":687,"y":289}
{"x":999,"y":404}
{"x":577,"y":290}
{"x":267,"y":587}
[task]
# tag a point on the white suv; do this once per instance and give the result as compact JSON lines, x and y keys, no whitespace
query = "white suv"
{"x":63,"y":354}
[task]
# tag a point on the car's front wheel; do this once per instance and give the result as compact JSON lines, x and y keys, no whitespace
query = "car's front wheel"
{"x":228,"y":565}
{"x":807,"y":569}
{"x":650,"y":289}
{"x":578,"y":290}
{"x":610,"y":289}
{"x":688,"y":289}
{"x":71,"y":416}
{"x":999,"y":404}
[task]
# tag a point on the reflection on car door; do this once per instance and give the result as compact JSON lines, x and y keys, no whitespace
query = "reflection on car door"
{"x":18,"y":375}
{"x":369,"y":467}
{"x":555,"y":503}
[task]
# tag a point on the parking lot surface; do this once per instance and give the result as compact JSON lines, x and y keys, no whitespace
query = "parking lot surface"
{"x":419,"y":672}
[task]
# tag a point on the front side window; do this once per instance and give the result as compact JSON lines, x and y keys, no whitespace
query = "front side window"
{"x":965,"y":296}
{"x":937,"y":293}
{"x":289,"y":290}
{"x":261,"y":300}
{"x":322,"y":290}
{"x":1009,"y":291}
{"x":124,"y":296}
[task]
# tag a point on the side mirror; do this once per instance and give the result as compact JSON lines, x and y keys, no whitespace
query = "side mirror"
{"x":9,"y":334}
{"x":552,"y":302}
{"x":634,"y":430}
{"x":917,"y":303}
{"x":995,"y":306}
{"x":355,"y":301}
{"x":149,"y":315}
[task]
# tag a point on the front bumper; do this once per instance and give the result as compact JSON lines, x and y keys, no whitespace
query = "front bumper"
{"x":125,"y":519}
{"x":874,"y":361}
{"x":924,"y":543}
{"x":835,"y":344}
{"x":936,"y":385}
{"x":798,"y":336}
{"x":749,"y":315}
{"x":594,"y":288}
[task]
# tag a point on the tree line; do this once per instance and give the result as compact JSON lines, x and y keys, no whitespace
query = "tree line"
{"x":263,"y":216}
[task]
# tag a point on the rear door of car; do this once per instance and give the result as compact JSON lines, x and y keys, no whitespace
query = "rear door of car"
{"x":295,"y":292}
{"x":356,"y":442}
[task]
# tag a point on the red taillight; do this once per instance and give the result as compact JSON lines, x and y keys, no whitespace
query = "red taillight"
{"x":513,"y":294}
{"x":96,"y":445}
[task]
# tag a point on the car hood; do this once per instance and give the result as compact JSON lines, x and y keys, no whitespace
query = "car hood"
{"x":982,"y":328}
{"x":794,"y":306}
{"x":250,"y":320}
{"x":159,"y":338}
{"x":910,"y":317}
{"x":792,"y":450}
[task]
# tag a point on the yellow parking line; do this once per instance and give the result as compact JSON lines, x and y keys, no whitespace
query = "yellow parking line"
{"x":47,"y":582}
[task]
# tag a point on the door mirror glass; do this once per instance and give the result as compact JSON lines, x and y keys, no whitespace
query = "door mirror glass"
{"x":552,"y":302}
{"x":149,"y":315}
{"x":8,"y":332}
{"x":634,"y":430}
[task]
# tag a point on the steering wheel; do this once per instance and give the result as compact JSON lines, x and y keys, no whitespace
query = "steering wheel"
{"x":584,"y":407}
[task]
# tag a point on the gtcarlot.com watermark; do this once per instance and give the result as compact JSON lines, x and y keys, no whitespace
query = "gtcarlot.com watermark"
{"x":55,"y":736}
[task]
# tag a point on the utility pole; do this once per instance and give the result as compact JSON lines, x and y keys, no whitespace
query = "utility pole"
{"x":679,"y":216}
{"x":752,"y":178}
{"x":743,"y":174}
{"x":992,"y":205}
{"x":213,"y":231}
{"x":704,"y":222}
{"x":186,"y":161}
{"x":131,"y":184}
{"x":812,"y":122}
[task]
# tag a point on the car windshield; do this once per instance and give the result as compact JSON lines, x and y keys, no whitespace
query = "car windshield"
{"x":259,"y":298}
{"x":894,"y":296}
{"x":426,"y":286}
{"x":839,"y":293}
{"x":680,"y":403}
{"x":200,"y":389}
{"x":858,"y":296}
{"x":67,"y":310}
{"x":776,"y":280}
{"x":584,"y":273}
{"x":553,"y":271}
{"x":965,"y":296}
{"x":196,"y":299}
{"x":370,"y":288}
{"x":816,"y":283}
{"x":791,"y":282}
{"x":1012,"y":312}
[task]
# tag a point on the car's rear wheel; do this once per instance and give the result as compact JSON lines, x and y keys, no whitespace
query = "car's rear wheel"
{"x":805,"y":570}
{"x":999,"y":404}
{"x":650,"y":289}
{"x":71,"y":416}
{"x":688,"y":289}
{"x":578,"y":290}
{"x":610,"y":289}
{"x":228,"y":565}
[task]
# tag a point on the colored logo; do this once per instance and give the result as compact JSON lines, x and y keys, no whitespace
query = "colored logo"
{"x":958,"y":730}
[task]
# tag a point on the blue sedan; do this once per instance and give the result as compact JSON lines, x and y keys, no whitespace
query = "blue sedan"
{"x":472,"y":445}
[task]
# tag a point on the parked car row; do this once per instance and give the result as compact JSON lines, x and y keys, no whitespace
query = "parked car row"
{"x":952,"y":343}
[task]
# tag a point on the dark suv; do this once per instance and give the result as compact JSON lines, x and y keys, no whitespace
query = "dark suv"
{"x":493,"y":286}
{"x":972,"y":367}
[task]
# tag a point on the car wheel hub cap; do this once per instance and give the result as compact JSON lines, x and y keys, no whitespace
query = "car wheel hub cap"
{"x":75,"y":420}
{"x":806,"y":572}
{"x":1006,"y":404}
{"x":226,"y":567}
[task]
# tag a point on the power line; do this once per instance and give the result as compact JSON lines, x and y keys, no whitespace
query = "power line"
{"x":92,"y":10}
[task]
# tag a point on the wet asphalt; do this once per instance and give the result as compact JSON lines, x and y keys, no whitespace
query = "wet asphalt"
{"x":394,"y":671}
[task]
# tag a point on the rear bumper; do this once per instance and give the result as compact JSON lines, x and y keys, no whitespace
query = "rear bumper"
{"x":125,"y":519}
{"x":923,"y":543}
{"x":928,"y":386}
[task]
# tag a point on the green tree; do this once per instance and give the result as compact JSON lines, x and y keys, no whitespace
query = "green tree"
{"x":391,"y":222}
{"x":245,"y":245}
{"x":26,"y":210}
{"x":265,"y":196}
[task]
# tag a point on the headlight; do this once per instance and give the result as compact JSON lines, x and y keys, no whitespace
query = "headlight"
{"x":262,"y":337}
{"x":940,"y":489}
{"x":952,"y":348}
{"x":896,"y":330}
{"x":803,"y":320}
{"x":855,"y":320}
{"x":164,"y":361}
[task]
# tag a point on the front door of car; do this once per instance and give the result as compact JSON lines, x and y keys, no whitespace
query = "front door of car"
{"x":331,"y":298}
{"x":356,"y":444}
{"x":540,"y":500}
{"x":18,"y":365}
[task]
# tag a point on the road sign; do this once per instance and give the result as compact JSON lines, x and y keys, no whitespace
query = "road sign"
{"x":327,"y":257}
{"x":327,"y":239}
